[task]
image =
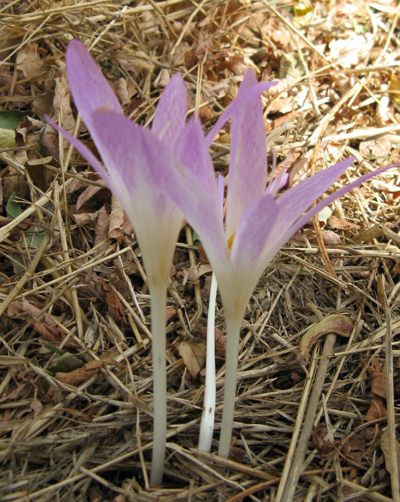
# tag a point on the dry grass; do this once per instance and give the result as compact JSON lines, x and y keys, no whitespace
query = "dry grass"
{"x":92,"y":441}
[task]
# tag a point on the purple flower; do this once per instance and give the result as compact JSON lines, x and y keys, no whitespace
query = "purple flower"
{"x":134,"y":157}
{"x":258,"y":223}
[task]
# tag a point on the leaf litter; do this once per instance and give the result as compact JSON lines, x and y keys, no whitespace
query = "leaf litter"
{"x":87,"y":318}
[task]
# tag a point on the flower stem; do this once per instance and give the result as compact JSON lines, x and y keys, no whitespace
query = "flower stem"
{"x":158,"y":306}
{"x":207,"y":419}
{"x":233,"y":324}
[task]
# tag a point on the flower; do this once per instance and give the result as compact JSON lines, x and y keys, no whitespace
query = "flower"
{"x":258,"y":223}
{"x":155,"y":219}
{"x":134,"y":156}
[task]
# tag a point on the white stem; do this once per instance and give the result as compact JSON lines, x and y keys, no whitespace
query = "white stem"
{"x":233,"y":324}
{"x":158,"y":300}
{"x":207,"y":419}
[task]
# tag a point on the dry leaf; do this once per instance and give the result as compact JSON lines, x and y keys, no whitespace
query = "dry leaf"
{"x":117,"y":218}
{"x":170,"y":312}
{"x":29,"y":61}
{"x":62,"y":105}
{"x":335,"y":323}
{"x":220,"y":340}
{"x":330,"y":238}
{"x":116,"y":308}
{"x":339,"y":224}
{"x":86,"y":195}
{"x":102,"y":226}
{"x":194,"y":356}
{"x":80,"y":375}
{"x":196,"y":271}
{"x":376,"y":410}
{"x":385,"y":438}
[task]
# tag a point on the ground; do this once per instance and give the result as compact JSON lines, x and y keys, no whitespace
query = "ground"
{"x":315,"y":410}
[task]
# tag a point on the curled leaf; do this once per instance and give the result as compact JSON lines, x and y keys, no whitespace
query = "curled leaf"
{"x":337,"y":324}
{"x":194,"y":356}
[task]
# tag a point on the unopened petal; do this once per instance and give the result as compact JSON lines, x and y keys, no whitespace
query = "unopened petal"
{"x":88,"y":85}
{"x":169,"y":119}
{"x":248,"y":162}
{"x":235,"y":105}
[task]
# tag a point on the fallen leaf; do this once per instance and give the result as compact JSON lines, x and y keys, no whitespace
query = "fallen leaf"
{"x":29,"y":61}
{"x":86,"y":195}
{"x":80,"y":375}
{"x":194,"y":356}
{"x":376,"y":410}
{"x":378,"y":376}
{"x":62,"y":105}
{"x":385,"y":438}
{"x":117,"y":218}
{"x":339,"y":224}
{"x":220,"y":340}
{"x":335,"y":323}
{"x":170,"y":312}
{"x":102,"y":226}
{"x":196,"y":271}
{"x":330,"y":238}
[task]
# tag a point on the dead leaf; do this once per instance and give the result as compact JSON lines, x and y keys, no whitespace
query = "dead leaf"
{"x":330,"y":238}
{"x":62,"y":105}
{"x":376,"y":410}
{"x":116,"y":308}
{"x":117,"y":218}
{"x":323,"y":446}
{"x":54,"y":335}
{"x":194,"y":356}
{"x":29,"y":61}
{"x":339,"y":224}
{"x":378,"y":376}
{"x":36,"y":406}
{"x":170,"y":312}
{"x":385,"y":438}
{"x":102,"y":226}
{"x":379,"y":148}
{"x":335,"y":323}
{"x":196,"y":271}
{"x":86,"y":195}
{"x":220,"y":340}
{"x":80,"y":375}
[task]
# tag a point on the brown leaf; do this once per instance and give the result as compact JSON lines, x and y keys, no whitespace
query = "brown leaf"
{"x":170,"y":312}
{"x":194,"y":356}
{"x":385,"y":438}
{"x":376,"y":410}
{"x":339,"y":224}
{"x":54,"y":334}
{"x":62,"y":105}
{"x":378,"y":376}
{"x":334,"y":323}
{"x":330,"y":238}
{"x":80,"y":375}
{"x":220,"y":340}
{"x":102,"y":226}
{"x":28,"y":61}
{"x":36,"y":406}
{"x":117,"y":218}
{"x":116,"y":308}
{"x":196,"y":271}
{"x":86,"y":195}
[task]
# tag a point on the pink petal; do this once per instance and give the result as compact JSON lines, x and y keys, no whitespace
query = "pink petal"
{"x":84,"y":151}
{"x":191,"y":150}
{"x":235,"y":105}
{"x":88,"y":85}
{"x":248,"y":162}
{"x":169,"y":119}
{"x":325,"y":202}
